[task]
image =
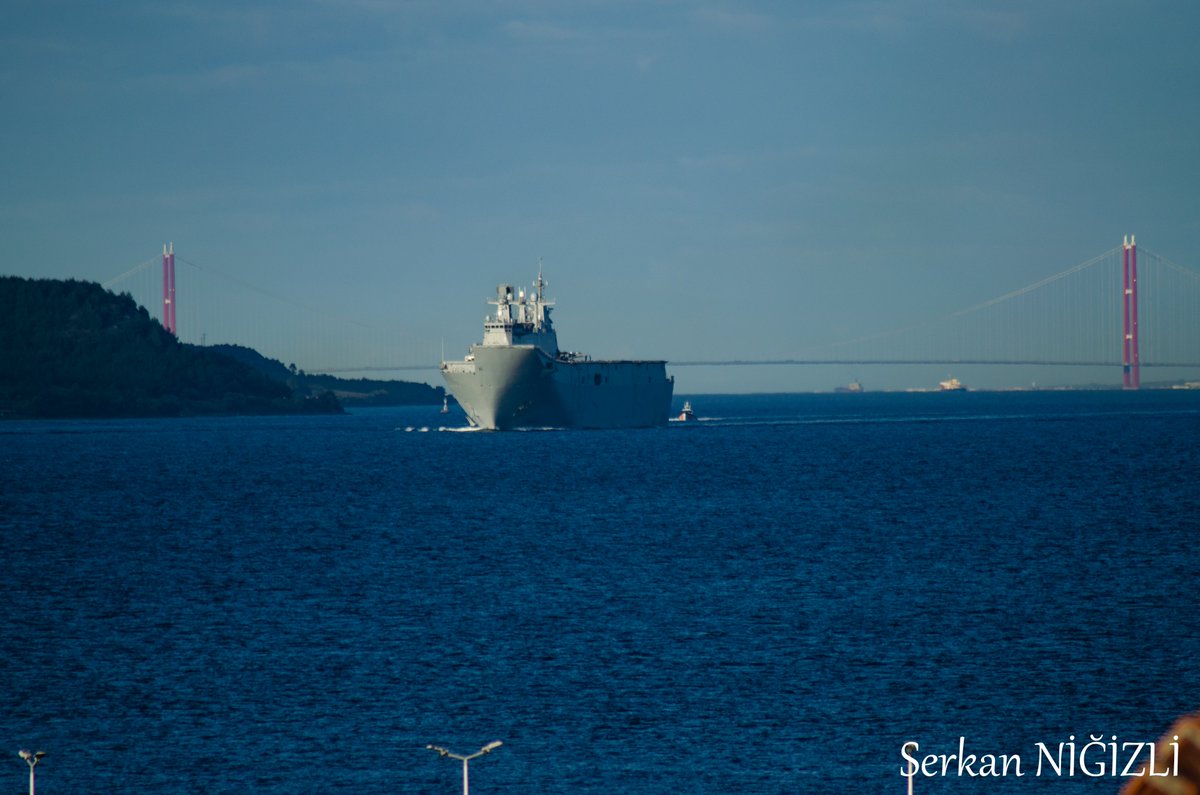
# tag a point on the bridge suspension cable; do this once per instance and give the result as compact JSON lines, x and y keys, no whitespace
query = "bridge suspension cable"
{"x":920,"y":324}
{"x":1071,"y":318}
{"x":1188,"y":272}
{"x":279,"y":327}
{"x":136,"y":269}
{"x":1036,"y":285}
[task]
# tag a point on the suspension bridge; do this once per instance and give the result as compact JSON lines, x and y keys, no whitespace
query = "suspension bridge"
{"x":1128,"y":308}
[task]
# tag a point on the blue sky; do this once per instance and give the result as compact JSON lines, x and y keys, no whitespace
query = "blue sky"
{"x":702,"y":179}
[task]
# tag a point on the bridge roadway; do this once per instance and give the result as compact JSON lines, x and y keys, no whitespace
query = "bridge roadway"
{"x":771,"y":362}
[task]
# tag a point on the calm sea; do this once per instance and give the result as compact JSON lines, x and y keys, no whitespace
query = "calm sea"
{"x":772,"y":600}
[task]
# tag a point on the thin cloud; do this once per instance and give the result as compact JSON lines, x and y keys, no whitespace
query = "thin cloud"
{"x":1002,"y":25}
{"x":898,"y":18}
{"x":733,"y":21}
{"x":317,"y":72}
{"x":740,"y":161}
{"x":588,"y":39}
{"x":537,"y":30}
{"x":240,"y":22}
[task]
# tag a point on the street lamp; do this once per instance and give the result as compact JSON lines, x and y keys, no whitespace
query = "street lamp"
{"x":487,"y":749}
{"x":32,"y":757}
{"x":912,"y":771}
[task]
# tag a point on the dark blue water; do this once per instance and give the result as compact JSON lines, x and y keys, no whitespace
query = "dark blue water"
{"x":770,"y":601}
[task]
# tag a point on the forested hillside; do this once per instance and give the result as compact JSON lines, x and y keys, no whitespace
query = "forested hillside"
{"x":73,"y":349}
{"x":349,"y":391}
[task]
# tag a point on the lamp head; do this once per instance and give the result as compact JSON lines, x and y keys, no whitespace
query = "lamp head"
{"x":32,"y":757}
{"x":492,"y":746}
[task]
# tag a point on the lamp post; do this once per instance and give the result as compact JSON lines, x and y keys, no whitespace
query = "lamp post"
{"x":32,"y":757}
{"x":487,"y":749}
{"x":912,"y":770}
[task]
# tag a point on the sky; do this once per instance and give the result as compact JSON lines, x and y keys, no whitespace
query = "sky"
{"x":701,"y":180}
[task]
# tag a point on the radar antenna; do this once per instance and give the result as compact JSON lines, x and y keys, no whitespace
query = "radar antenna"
{"x":540,"y":310}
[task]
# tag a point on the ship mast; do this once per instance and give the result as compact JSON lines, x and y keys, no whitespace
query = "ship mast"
{"x":541,"y":317}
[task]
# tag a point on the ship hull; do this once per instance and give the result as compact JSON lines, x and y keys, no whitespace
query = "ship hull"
{"x":519,"y":386}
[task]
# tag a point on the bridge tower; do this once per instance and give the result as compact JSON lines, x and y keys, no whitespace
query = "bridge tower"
{"x":1130,"y":361}
{"x":169,"y":287}
{"x":1133,"y":301}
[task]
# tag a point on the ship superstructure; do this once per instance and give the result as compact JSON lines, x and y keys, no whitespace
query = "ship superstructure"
{"x":517,"y":377}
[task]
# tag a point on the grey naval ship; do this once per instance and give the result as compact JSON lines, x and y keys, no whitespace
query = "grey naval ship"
{"x":518,"y":378}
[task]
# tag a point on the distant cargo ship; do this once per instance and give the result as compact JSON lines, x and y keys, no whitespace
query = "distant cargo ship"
{"x":952,"y":385}
{"x":518,"y":378}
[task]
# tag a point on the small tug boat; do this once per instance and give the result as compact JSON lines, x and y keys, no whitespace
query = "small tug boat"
{"x":687,"y":415}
